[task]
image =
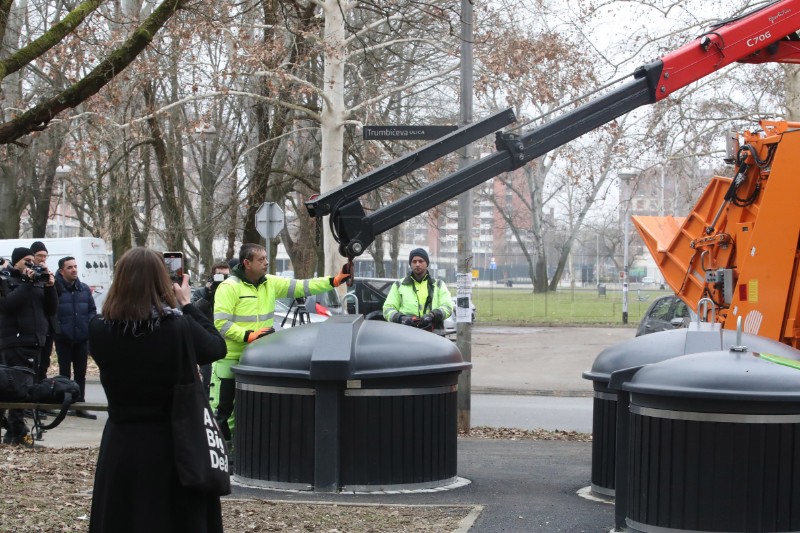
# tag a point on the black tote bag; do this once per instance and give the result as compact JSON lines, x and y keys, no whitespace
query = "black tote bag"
{"x":200,"y":454}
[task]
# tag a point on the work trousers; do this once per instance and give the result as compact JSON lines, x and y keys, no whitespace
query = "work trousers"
{"x":222,"y":394}
{"x":73,"y":358}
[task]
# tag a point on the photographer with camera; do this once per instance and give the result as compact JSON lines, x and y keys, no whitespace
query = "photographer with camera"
{"x":27,"y":297}
{"x":40,"y":255}
{"x":419,"y":300}
{"x":203,"y":299}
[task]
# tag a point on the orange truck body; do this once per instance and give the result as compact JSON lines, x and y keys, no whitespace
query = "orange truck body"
{"x":741,"y":249}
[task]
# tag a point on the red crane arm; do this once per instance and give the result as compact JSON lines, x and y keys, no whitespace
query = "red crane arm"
{"x":767,"y":34}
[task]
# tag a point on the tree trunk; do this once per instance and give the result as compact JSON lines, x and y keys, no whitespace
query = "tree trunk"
{"x":792,"y":82}
{"x":536,"y":175}
{"x":11,"y":91}
{"x":333,"y":116}
{"x":377,"y":256}
{"x":171,"y":206}
{"x":394,"y":250}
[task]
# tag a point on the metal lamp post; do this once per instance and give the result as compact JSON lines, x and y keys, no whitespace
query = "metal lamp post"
{"x":625,"y":177}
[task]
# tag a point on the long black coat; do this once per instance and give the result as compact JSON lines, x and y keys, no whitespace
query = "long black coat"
{"x":136,"y":487}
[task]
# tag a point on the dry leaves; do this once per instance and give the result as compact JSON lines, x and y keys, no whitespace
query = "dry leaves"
{"x":484,"y":432}
{"x":49,"y":490}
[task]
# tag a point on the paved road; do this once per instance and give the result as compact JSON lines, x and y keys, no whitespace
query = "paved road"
{"x":509,"y":360}
{"x":532,"y":412}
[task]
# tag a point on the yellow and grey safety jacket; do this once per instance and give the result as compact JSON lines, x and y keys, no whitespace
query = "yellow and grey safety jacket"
{"x":241,"y":306}
{"x":416,"y":298}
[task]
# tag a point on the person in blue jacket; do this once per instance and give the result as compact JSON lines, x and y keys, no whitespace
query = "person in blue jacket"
{"x":75,"y":308}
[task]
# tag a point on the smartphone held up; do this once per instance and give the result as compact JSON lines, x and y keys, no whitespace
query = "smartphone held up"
{"x":174,"y":263}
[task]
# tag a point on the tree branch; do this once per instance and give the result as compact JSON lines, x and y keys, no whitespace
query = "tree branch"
{"x":275,"y":101}
{"x":38,"y":117}
{"x":401,"y":88}
{"x":52,"y":37}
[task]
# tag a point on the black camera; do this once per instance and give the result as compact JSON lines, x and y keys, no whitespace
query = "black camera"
{"x":40,"y":273}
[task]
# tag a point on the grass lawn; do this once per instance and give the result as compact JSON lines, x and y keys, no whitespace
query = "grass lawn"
{"x":566,"y":306}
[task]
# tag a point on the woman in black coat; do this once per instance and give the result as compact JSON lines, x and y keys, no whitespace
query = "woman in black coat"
{"x":137,"y":344}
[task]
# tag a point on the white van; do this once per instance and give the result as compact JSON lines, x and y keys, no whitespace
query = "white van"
{"x":94,"y":261}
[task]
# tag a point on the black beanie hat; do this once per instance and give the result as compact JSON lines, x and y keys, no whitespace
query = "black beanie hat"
{"x":19,"y":253}
{"x":418,"y":252}
{"x":38,"y":246}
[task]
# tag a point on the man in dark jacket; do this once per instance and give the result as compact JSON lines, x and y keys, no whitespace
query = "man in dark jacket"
{"x":75,"y":308}
{"x":203,"y":299}
{"x":40,"y":255}
{"x":27,"y":296}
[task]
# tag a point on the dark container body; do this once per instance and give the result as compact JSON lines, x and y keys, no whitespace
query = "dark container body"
{"x":713,"y":476}
{"x":714,"y":444}
{"x":604,"y":439}
{"x":393,"y":441}
{"x":278,"y":445}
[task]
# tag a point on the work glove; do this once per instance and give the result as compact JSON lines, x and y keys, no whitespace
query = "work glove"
{"x":343,"y":275}
{"x":426,"y":321}
{"x":409,"y":320}
{"x":250,"y":336}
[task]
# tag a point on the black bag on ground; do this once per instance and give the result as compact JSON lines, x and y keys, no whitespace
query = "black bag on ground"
{"x":200,"y":454}
{"x":57,"y":389}
{"x":15,"y":383}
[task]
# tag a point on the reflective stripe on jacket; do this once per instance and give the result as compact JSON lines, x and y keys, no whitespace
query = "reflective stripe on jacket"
{"x":240,"y":306}
{"x":403,"y":298}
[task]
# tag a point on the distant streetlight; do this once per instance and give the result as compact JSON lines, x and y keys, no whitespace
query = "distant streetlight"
{"x":62,"y":172}
{"x":625,"y":176}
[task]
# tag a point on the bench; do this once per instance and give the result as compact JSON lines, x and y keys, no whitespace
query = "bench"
{"x":39,"y":427}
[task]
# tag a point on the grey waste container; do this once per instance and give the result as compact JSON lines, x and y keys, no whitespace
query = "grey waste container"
{"x":647,"y":349}
{"x":601,"y":290}
{"x":347,"y":404}
{"x":714,"y":445}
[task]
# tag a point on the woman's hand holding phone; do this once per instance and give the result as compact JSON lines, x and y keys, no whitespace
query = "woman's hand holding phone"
{"x":183,"y":293}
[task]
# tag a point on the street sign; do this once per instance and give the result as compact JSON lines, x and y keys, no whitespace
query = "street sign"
{"x":269,"y":220}
{"x":405,"y":133}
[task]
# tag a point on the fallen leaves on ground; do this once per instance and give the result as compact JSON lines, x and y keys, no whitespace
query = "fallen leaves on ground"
{"x":483,"y":432}
{"x":49,"y":490}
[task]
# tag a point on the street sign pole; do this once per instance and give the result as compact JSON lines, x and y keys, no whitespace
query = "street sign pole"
{"x":269,"y":220}
{"x":269,"y":223}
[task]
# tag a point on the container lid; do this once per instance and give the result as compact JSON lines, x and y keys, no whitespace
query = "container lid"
{"x":656,"y":347}
{"x":349,"y":347}
{"x":727,"y":375}
{"x":636,"y":352}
